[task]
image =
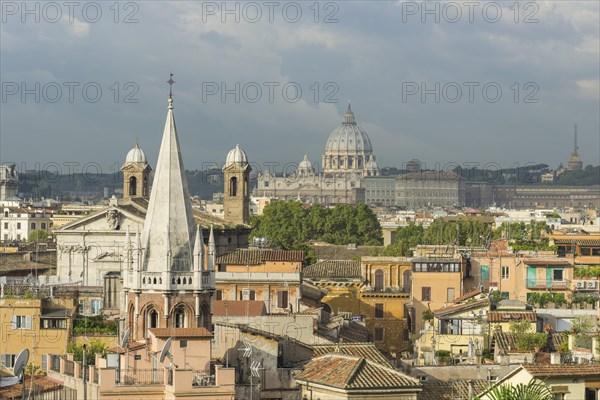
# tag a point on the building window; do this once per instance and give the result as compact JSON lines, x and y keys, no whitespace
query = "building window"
{"x":282,"y":299}
{"x":133,"y":186}
{"x":44,"y":362}
{"x":8,"y":360}
{"x":378,"y":280}
{"x":450,"y":294}
{"x":586,"y":251}
{"x":219,"y":294}
{"x":54,"y":323}
{"x":557,"y":274}
{"x":95,"y":307}
{"x":183,"y":344}
{"x":43,"y":225}
{"x":379,"y":310}
{"x":33,"y":225}
{"x":426,"y":293}
{"x":505,"y":272}
{"x":6,"y":225}
{"x":5,"y":214}
{"x":153,"y":319}
{"x":18,"y":225}
{"x":21,"y":321}
{"x":233,"y":187}
{"x":378,"y":334}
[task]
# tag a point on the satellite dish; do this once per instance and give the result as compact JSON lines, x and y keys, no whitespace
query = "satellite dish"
{"x":125,"y":338}
{"x":165,"y":351}
{"x":21,"y":362}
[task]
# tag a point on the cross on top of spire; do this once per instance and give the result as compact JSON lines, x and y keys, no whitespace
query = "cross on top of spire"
{"x":171,"y":82}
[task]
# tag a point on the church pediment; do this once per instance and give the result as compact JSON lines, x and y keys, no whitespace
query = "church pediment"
{"x":112,"y":218}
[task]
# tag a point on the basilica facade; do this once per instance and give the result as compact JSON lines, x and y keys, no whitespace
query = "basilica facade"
{"x":348,"y":159}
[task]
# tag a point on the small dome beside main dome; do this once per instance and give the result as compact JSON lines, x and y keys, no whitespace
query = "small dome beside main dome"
{"x":136,"y":155}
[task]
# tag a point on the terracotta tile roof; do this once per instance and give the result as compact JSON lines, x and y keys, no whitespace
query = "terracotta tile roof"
{"x":334,"y":270}
{"x":551,"y":261}
{"x":505,"y":341}
{"x":334,"y":252}
{"x":365,"y":350}
{"x":508,"y":316}
{"x":131,"y":346}
{"x":238,"y":308}
{"x":42,"y":383}
{"x":349,"y":372}
{"x":467,"y":296}
{"x":353,"y":332}
{"x":462,"y":307}
{"x":453,"y":390}
{"x":579,"y":242}
{"x":310,"y":291}
{"x":259,"y":256}
{"x":546,"y":370}
{"x":180,"y":332}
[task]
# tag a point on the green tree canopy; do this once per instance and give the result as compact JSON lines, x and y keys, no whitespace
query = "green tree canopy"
{"x":37,"y":236}
{"x":95,"y":346}
{"x":288,"y":224}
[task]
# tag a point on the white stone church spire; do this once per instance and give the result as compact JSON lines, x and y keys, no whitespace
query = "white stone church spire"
{"x":169,"y":225}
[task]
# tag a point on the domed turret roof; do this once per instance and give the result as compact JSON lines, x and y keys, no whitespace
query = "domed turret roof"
{"x":305,"y":164}
{"x":136,"y":155}
{"x":349,"y":137}
{"x":236,"y":156}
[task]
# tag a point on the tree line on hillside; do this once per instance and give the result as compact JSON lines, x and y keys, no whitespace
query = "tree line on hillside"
{"x":290,"y":225}
{"x":468,"y":232}
{"x":49,"y":184}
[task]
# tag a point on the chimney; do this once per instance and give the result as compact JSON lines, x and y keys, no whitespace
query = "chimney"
{"x":555,"y":358}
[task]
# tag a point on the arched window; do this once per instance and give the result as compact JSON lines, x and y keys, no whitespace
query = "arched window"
{"x":245,"y":186}
{"x":152,"y":318}
{"x":179,"y":317}
{"x":132,"y":186}
{"x":233,"y":187}
{"x":378,"y":280}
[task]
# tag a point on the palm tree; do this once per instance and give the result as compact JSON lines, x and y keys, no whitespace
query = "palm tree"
{"x":531,"y":391}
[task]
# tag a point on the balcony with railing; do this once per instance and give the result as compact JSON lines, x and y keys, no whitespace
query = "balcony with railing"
{"x":257,"y":276}
{"x":69,"y":368}
{"x":543,"y":284}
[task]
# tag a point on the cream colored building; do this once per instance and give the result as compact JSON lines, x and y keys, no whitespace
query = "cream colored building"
{"x":348,"y":158}
{"x":43,"y":326}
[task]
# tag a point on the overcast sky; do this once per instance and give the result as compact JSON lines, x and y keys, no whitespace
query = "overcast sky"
{"x":381,"y":55}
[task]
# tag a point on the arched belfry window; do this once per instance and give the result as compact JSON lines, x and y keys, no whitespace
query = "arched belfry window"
{"x":233,"y":186}
{"x":378,"y":280}
{"x":133,"y":186}
{"x":179,"y":317}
